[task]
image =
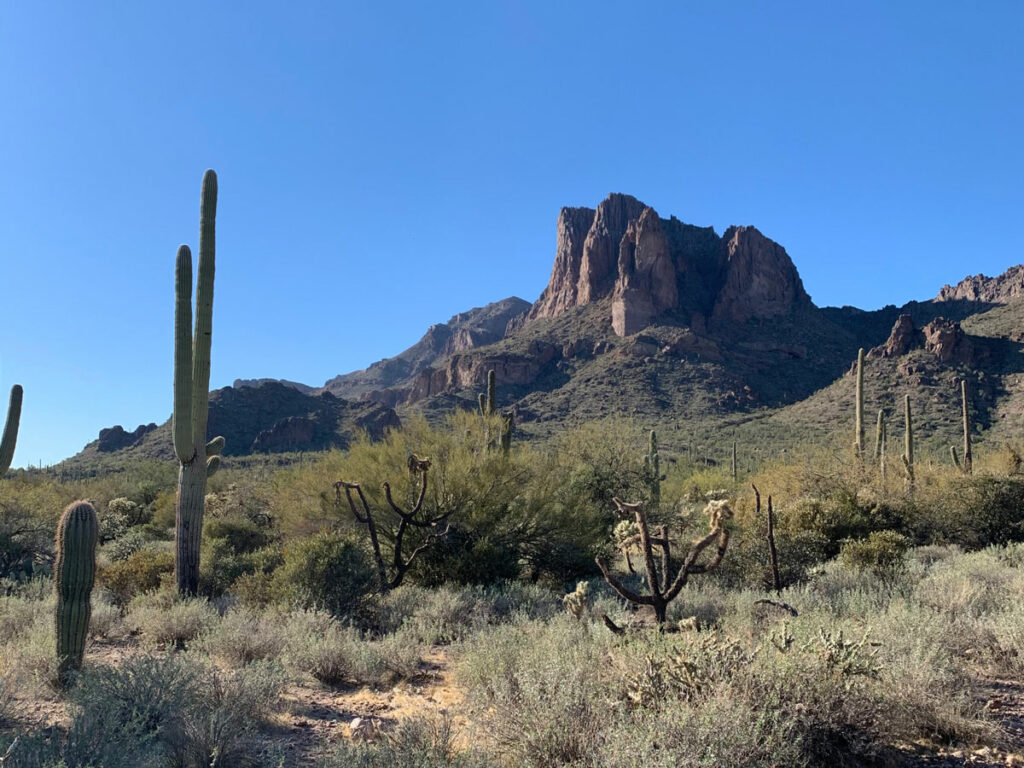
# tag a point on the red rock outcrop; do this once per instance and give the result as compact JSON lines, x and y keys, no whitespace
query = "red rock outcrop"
{"x":947,"y":340}
{"x":996,"y":290}
{"x":901,"y":339}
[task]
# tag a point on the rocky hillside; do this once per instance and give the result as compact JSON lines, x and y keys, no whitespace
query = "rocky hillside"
{"x":268,"y":418}
{"x":710,"y":338}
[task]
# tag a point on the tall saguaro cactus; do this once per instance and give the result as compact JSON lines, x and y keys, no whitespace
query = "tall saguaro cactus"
{"x":73,"y":575}
{"x":10,"y":437}
{"x":858,"y":441}
{"x":198,"y":459}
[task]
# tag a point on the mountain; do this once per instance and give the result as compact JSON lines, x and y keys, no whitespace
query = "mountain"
{"x":388,"y":380}
{"x":710,"y":338}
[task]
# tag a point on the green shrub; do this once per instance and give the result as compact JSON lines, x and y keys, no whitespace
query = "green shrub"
{"x":141,"y":572}
{"x":328,"y":571}
{"x":882,"y":553}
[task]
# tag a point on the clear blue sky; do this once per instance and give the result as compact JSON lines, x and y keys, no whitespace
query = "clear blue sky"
{"x":385,"y":165}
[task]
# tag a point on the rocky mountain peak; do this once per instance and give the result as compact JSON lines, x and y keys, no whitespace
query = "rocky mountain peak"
{"x":650,"y":266}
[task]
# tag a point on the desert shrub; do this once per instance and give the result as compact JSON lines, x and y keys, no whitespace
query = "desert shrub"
{"x":31,"y":657}
{"x":243,"y":636}
{"x":176,"y":711}
{"x":466,"y":557}
{"x":239,"y":533}
{"x":336,"y":654}
{"x":166,"y":619}
{"x":415,"y":742}
{"x":220,"y":565}
{"x":974,"y":512}
{"x":141,"y":572}
{"x":105,"y":620}
{"x":126,"y":545}
{"x":882,"y":553}
{"x":326,"y":570}
{"x":537,"y":689}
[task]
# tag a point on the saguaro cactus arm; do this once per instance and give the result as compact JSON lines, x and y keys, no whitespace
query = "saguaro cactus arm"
{"x":10,"y":437}
{"x":183,"y":443}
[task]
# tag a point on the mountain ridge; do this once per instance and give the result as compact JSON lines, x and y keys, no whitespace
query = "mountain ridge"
{"x":667,"y":322}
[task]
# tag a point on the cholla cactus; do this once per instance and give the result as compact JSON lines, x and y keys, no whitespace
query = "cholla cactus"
{"x":662,"y":591}
{"x":10,"y":436}
{"x":577,"y":603}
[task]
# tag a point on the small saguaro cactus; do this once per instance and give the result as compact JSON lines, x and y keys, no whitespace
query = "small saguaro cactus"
{"x":663,"y":591}
{"x":489,"y":401}
{"x":10,"y":437}
{"x":858,"y":440}
{"x":968,"y":462}
{"x":652,"y":469}
{"x":198,"y":458}
{"x":735,"y":468}
{"x":879,"y":433}
{"x":908,"y":442}
{"x":73,"y":575}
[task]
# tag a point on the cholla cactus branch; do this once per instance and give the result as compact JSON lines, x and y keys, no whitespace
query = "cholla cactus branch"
{"x":400,"y":563}
{"x":661,"y":592}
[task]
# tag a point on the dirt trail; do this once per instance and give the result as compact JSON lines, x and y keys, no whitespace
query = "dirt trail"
{"x":319,"y":716}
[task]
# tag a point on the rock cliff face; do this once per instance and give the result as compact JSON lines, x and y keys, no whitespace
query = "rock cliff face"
{"x":996,"y":290}
{"x":760,"y":278}
{"x":649,"y":267}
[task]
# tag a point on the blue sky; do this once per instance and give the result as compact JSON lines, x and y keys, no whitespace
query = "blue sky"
{"x":385,"y":165}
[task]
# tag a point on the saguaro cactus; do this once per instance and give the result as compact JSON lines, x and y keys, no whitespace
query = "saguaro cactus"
{"x":198,"y":459}
{"x":652,"y":469}
{"x":74,"y":574}
{"x":489,"y":401}
{"x":662,"y":591}
{"x":10,"y":437}
{"x":858,"y":440}
{"x":968,"y":463}
{"x":908,"y":442}
{"x":879,"y":433}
